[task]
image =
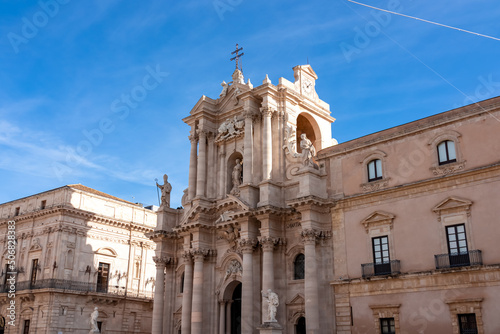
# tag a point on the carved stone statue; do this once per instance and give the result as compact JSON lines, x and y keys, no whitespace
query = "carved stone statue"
{"x":166,"y":188}
{"x":225,"y":87}
{"x":308,"y":151}
{"x":93,"y":321}
{"x":236,"y":177}
{"x":233,"y":268}
{"x":272,"y":304}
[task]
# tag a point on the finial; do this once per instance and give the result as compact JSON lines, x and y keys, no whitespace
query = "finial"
{"x":266,"y":80}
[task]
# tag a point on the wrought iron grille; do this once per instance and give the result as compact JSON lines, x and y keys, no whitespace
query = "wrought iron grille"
{"x":464,"y":259}
{"x":373,"y":269}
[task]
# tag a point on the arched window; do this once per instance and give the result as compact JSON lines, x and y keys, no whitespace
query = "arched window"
{"x":137,"y":269}
{"x":374,"y":170}
{"x":299,"y":266}
{"x":446,"y":152}
{"x":300,"y":326}
{"x":181,"y":286}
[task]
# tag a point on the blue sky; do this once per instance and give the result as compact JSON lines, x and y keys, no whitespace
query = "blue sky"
{"x":68,"y":70}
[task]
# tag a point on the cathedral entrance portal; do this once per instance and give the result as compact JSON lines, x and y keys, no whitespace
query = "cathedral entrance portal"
{"x":230,"y":311}
{"x":236,"y":311}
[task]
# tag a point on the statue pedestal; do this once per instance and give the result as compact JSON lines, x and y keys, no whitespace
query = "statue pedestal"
{"x":270,"y":328}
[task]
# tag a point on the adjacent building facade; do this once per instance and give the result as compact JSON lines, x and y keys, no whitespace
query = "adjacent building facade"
{"x":75,"y":249}
{"x":395,"y":232}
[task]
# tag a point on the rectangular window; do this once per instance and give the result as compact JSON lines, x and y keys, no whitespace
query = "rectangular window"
{"x":387,"y":326}
{"x":18,"y":210}
{"x":467,"y":323}
{"x":457,"y":245}
{"x":26,"y":329}
{"x":34,"y":270}
{"x":43,"y":204}
{"x":102,"y":277}
{"x":381,"y":259}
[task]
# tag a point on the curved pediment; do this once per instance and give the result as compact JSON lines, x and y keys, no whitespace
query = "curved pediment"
{"x":106,"y":251}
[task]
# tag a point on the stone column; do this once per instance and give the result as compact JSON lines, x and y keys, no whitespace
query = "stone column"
{"x":169,"y":290}
{"x":159,"y":295}
{"x":222,"y":316}
{"x":222,"y":170}
{"x":187,"y":295}
{"x":309,"y":236}
{"x":202,"y":164}
{"x":247,"y":247}
{"x":267,"y":270}
{"x":211,"y":166}
{"x":228,"y":317}
{"x":248,"y":149}
{"x":193,"y":163}
{"x":197,"y":306}
{"x":267,"y":138}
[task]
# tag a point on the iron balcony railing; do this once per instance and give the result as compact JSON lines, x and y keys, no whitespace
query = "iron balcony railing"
{"x":470,"y":258}
{"x":375,"y":269}
{"x":78,"y":286}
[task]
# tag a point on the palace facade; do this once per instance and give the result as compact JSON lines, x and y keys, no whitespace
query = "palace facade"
{"x":75,"y":249}
{"x":394,"y":232}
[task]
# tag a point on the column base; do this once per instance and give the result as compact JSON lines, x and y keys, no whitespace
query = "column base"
{"x":270,"y":328}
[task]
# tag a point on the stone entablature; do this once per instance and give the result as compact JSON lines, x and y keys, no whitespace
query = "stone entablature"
{"x":81,"y":198}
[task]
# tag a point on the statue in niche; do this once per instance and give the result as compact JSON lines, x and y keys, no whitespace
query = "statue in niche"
{"x":93,"y":321}
{"x":236,"y":177}
{"x":225,"y":87}
{"x":272,"y":304}
{"x":308,"y":151}
{"x":166,"y":188}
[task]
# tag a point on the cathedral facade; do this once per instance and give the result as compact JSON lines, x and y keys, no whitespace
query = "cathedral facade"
{"x":285,"y":231}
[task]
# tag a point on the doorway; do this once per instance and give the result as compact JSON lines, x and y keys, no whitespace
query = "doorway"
{"x":236,"y":310}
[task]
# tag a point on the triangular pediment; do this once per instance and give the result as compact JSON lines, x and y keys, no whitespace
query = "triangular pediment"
{"x":307,"y":69}
{"x":297,"y":300}
{"x":452,"y":203}
{"x":378,"y":218}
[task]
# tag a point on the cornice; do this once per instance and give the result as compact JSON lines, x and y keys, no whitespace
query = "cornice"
{"x":411,"y":189}
{"x":91,"y":217}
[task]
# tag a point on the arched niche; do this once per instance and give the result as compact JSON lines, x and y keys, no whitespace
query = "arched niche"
{"x":231,"y":162}
{"x":306,"y":124}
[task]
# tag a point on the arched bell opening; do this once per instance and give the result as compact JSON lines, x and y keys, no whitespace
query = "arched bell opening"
{"x":306,"y":124}
{"x":234,"y":175}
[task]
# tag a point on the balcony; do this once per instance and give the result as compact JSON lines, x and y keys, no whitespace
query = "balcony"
{"x":373,"y":269}
{"x":470,"y":258}
{"x":78,"y":286}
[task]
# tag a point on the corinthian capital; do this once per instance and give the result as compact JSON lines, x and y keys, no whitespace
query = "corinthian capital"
{"x":267,"y":111}
{"x":309,"y":236}
{"x":267,"y":243}
{"x":247,"y":245}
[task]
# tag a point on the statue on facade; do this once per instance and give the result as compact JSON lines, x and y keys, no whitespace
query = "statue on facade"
{"x":236,"y":177}
{"x":93,"y":322}
{"x":166,"y":188}
{"x":225,"y":87}
{"x":308,"y":151}
{"x":272,"y":304}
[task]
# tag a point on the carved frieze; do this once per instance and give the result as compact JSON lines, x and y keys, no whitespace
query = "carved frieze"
{"x":448,"y":169}
{"x":229,"y":129}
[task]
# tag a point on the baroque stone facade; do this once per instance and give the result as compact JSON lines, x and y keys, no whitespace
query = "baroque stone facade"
{"x":394,"y":232}
{"x":76,"y":249}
